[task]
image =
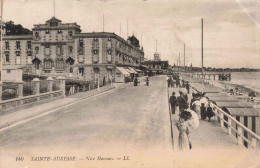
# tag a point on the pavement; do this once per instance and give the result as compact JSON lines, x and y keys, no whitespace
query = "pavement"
{"x":130,"y":125}
{"x":14,"y":116}
{"x":211,"y":146}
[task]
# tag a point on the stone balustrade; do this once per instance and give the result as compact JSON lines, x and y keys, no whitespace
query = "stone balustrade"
{"x":37,"y":96}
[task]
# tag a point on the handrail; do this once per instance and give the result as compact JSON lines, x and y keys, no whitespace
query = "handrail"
{"x":250,"y":132}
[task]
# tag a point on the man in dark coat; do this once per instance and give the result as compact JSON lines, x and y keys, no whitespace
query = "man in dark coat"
{"x":203,"y":111}
{"x":173,"y":102}
{"x":210,"y":112}
{"x":182,"y":102}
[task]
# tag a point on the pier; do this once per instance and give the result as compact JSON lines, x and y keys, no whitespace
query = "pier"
{"x":211,"y":75}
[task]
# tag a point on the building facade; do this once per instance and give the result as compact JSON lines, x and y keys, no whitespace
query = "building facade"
{"x":56,"y":48}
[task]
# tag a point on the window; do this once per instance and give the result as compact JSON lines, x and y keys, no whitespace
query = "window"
{"x":47,"y":65}
{"x":18,"y":46}
{"x":81,"y":44}
{"x":70,"y":49}
{"x":47,"y":46}
{"x":7,"y":58}
{"x":8,"y":70}
{"x":59,"y":31}
{"x":47,"y":32}
{"x":54,"y":23}
{"x":59,"y":49}
{"x":109,"y":39}
{"x":70,"y":33}
{"x":36,"y":34}
{"x":17,"y":53}
{"x":7,"y":45}
{"x":37,"y":50}
{"x":29,"y":45}
{"x":81,"y":71}
{"x":29,"y":53}
{"x":59,"y":64}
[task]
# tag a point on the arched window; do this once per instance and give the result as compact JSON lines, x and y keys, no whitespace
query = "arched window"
{"x":70,"y":49}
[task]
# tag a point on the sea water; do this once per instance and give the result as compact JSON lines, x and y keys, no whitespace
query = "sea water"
{"x":249,"y":80}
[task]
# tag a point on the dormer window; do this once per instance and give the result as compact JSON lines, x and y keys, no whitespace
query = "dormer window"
{"x":47,"y":32}
{"x":70,"y":33}
{"x":36,"y":34}
{"x":37,"y":50}
{"x":59,"y":31}
{"x":95,"y":39}
{"x":47,"y":46}
{"x":109,"y":39}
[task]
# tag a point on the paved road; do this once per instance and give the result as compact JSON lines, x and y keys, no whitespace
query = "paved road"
{"x":135,"y":118}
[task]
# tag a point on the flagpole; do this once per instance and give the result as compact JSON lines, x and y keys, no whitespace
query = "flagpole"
{"x":1,"y":55}
{"x":54,"y":8}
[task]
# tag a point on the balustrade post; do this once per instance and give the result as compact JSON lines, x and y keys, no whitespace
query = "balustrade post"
{"x":98,"y":82}
{"x":221,"y":119}
{"x":239,"y":135}
{"x":254,"y":142}
{"x":20,"y":89}
{"x":36,"y":88}
{"x":50,"y":79}
{"x":62,"y":85}
{"x":229,"y":125}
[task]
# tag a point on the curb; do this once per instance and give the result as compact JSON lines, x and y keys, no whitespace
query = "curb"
{"x":32,"y":117}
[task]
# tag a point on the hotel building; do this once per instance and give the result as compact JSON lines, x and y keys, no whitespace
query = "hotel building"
{"x":60,"y":49}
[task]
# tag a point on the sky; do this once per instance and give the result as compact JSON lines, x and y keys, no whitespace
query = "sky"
{"x":231,"y":27}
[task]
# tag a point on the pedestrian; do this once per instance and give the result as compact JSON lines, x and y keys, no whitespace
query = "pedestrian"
{"x":210,"y":112}
{"x":104,"y":81}
{"x":173,"y":102}
{"x":188,"y":87}
{"x":169,"y":82}
{"x":196,"y":105}
{"x":147,"y":81}
{"x":177,"y":81}
{"x":135,"y":81}
{"x":182,"y":102}
{"x":203,"y":111}
{"x":183,"y":127}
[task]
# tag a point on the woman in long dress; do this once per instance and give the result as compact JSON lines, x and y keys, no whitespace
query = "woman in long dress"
{"x":183,"y":128}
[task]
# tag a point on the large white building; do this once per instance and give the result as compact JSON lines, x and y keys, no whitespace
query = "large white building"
{"x":57,"y":48}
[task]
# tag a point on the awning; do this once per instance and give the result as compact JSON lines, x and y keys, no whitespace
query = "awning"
{"x":132,"y":69}
{"x":123,"y":71}
{"x":144,"y":66}
{"x":234,"y":104}
{"x":128,"y":70}
{"x":244,"y":112}
{"x":138,"y":70}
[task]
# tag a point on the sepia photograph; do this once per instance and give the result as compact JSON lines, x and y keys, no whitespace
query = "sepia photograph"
{"x":130,"y":84}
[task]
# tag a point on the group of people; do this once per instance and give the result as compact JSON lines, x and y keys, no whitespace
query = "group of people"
{"x":201,"y":105}
{"x":136,"y":82}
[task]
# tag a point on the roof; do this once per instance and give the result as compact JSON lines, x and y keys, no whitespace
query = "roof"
{"x":18,"y":37}
{"x":205,"y":88}
{"x":244,"y":112}
{"x":222,"y":94}
{"x":234,"y":104}
{"x":223,"y":99}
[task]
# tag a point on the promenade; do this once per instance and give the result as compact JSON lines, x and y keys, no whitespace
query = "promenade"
{"x":211,"y":146}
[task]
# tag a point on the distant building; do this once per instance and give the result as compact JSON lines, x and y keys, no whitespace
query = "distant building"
{"x":56,"y":48}
{"x":156,"y":66}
